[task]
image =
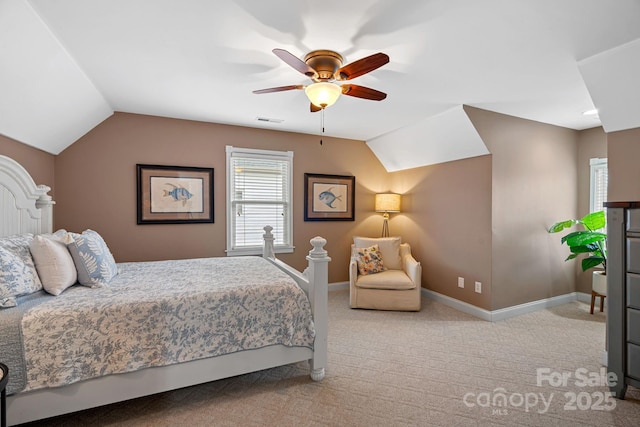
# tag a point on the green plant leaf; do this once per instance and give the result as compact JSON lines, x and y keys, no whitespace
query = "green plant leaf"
{"x":594,"y":221}
{"x":559,"y":226}
{"x":587,"y":241}
{"x":582,"y":238}
{"x":592,"y":261}
{"x":583,"y":249}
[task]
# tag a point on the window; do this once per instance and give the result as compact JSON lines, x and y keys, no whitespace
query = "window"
{"x":598,"y":184}
{"x":259,"y":189}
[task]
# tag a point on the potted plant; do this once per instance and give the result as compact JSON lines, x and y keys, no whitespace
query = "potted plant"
{"x":592,"y":241}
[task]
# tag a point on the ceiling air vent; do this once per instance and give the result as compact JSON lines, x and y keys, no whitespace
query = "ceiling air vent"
{"x":267,"y":119}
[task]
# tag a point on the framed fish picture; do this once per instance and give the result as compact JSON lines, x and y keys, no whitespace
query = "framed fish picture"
{"x":329,"y":197}
{"x":174,"y":194}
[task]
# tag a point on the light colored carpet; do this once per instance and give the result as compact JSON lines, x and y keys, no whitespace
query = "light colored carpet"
{"x":407,"y":369}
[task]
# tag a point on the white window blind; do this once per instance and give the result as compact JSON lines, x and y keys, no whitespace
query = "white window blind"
{"x":598,"y":184}
{"x":259,"y":192}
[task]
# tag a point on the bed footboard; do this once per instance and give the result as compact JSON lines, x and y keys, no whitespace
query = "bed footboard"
{"x":314,"y":281}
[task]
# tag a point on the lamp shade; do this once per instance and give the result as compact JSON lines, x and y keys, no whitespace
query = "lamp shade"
{"x":388,"y":202}
{"x":323,"y":94}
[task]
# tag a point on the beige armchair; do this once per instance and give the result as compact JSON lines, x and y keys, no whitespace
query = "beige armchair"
{"x":396,"y":288}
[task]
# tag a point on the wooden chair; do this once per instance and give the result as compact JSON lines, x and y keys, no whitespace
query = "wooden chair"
{"x":598,"y":289}
{"x":594,"y":295}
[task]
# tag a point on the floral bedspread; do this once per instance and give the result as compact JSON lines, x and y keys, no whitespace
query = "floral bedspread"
{"x":160,"y":313}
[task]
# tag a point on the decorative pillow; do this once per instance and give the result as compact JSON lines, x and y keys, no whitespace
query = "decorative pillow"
{"x":59,"y":234}
{"x":369,"y":260}
{"x":92,"y":258}
{"x":389,"y":247}
{"x":54,"y":263}
{"x":18,"y":275}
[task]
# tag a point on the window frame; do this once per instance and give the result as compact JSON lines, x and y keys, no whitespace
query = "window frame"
{"x":595,"y":165}
{"x":287,"y":233}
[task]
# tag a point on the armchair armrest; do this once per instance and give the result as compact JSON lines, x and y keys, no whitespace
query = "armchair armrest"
{"x":353,"y":268}
{"x":410,"y":266}
{"x":413,"y":269}
{"x":353,"y":271}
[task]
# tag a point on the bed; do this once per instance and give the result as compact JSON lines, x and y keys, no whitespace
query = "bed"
{"x":168,"y":337}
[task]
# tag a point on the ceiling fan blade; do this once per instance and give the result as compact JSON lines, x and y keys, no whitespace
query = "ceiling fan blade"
{"x":279,"y":89}
{"x":314,"y":107}
{"x":362,"y":66}
{"x":295,"y":62}
{"x":363,"y":92}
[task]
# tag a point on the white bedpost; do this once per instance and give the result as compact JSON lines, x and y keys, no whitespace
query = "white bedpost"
{"x":267,"y":248}
{"x":318,"y":273}
{"x":314,"y":281}
{"x":45,"y":204}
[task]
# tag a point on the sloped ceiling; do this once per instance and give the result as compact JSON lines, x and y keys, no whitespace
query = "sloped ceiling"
{"x":613,"y":79}
{"x":444,"y":137}
{"x":67,"y":65}
{"x":46,"y":100}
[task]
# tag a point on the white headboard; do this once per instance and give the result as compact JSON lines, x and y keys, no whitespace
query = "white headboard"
{"x":24,"y":206}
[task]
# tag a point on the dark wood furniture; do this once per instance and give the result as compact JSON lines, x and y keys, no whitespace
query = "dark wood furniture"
{"x":623,"y":292}
{"x":4,"y":378}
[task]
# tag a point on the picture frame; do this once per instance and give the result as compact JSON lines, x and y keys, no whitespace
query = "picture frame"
{"x":329,"y":197}
{"x":174,"y":194}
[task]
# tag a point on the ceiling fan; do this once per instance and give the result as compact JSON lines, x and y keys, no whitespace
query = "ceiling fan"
{"x":325,"y":67}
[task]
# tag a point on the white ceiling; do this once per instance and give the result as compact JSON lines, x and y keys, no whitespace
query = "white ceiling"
{"x":66,"y":65}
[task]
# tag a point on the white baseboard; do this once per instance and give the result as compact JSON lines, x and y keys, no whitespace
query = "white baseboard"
{"x":504,"y":313}
{"x":495,"y":315}
{"x":584,"y":297}
{"x":457,"y":304}
{"x":530,"y":307}
{"x":338,"y":286}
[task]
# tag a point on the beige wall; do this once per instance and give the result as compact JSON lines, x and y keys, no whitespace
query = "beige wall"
{"x":446,"y":217}
{"x":534,"y":182}
{"x":624,"y":174}
{"x":96,"y":186}
{"x":39,"y":164}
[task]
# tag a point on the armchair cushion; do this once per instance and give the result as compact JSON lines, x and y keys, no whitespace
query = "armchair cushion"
{"x":390,"y":279}
{"x":369,"y":260}
{"x":389,"y":248}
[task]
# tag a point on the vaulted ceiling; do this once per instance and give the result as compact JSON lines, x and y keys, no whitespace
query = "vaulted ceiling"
{"x":67,"y":65}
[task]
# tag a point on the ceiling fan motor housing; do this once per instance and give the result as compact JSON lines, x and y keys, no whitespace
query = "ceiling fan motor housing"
{"x":325,"y":62}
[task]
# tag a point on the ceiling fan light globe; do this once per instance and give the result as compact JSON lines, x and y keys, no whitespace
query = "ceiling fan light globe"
{"x":323,"y":94}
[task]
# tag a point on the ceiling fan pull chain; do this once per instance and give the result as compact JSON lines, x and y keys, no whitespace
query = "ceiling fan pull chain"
{"x":322,"y":122}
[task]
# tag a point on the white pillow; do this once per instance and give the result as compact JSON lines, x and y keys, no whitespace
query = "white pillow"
{"x":54,"y":263}
{"x":389,"y":248}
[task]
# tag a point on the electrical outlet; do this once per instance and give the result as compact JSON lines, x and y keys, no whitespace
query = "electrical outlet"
{"x":479,"y":287}
{"x":461,"y":282}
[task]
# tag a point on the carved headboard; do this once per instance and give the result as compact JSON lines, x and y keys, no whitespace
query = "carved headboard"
{"x":24,"y":206}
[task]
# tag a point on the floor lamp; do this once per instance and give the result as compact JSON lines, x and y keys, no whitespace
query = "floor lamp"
{"x":387,"y":203}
